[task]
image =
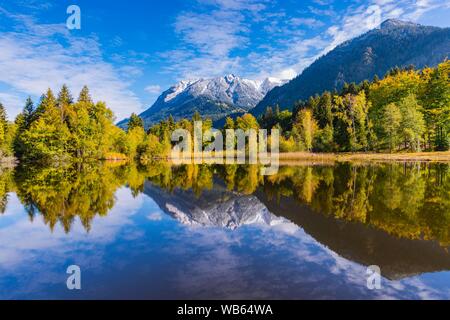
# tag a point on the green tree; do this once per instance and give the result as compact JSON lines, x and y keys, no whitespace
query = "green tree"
{"x":28,"y":113}
{"x":412,"y":127}
{"x":135,"y":137}
{"x":323,"y":111}
{"x":3,"y":124}
{"x":196,"y":116}
{"x":229,"y":123}
{"x":152,"y":149}
{"x":324,"y":139}
{"x":305,"y":129}
{"x":85,"y":96}
{"x":391,"y":125}
{"x":247,"y":121}
{"x":64,"y":101}
{"x":61,"y":129}
{"x":135,"y":121}
{"x":47,"y":136}
{"x":436,"y":101}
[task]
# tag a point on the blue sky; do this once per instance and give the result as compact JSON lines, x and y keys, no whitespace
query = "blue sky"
{"x":127,"y":52}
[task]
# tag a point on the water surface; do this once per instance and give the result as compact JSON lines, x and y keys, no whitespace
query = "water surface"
{"x":215,"y":232}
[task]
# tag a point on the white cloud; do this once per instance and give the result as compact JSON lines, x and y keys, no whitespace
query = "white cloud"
{"x":13,"y":102}
{"x":153,"y":89}
{"x":103,"y":231}
{"x":323,"y":2}
{"x":212,"y":38}
{"x":310,"y":22}
{"x":209,"y":39}
{"x":321,"y":12}
{"x":261,"y":39}
{"x":155,"y":216}
{"x":300,"y":52}
{"x":41,"y":56}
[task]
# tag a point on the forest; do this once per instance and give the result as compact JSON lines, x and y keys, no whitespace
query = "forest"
{"x":406,"y":111}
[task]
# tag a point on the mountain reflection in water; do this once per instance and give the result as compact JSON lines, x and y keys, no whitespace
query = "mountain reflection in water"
{"x":307,"y":232}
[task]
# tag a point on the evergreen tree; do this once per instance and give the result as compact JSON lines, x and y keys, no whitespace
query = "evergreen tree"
{"x":135,"y":121}
{"x":171,"y":123}
{"x":47,"y":103}
{"x":64,"y":97}
{"x":85,"y":96}
{"x":3,"y":128}
{"x":323,"y":112}
{"x":28,"y":112}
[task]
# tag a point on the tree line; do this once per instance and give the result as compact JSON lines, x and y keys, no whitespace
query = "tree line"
{"x":407,"y":110}
{"x":60,"y":128}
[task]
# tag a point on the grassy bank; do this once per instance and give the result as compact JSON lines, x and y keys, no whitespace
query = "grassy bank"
{"x":363,"y":156}
{"x":297,"y":158}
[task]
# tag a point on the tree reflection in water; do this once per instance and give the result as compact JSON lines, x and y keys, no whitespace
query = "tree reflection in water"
{"x":407,"y":200}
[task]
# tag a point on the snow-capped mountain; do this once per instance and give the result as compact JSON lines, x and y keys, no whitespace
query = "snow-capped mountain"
{"x":214,"y":98}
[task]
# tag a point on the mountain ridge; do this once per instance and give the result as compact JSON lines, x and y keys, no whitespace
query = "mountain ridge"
{"x":393,"y":43}
{"x":213,"y":98}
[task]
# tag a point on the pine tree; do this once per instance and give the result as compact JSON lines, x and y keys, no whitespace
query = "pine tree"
{"x":48,"y":101}
{"x":171,"y":123}
{"x":64,"y":96}
{"x":135,"y":122}
{"x":3,"y":126}
{"x":268,"y":118}
{"x":64,"y":101}
{"x":28,"y":112}
{"x":85,"y":95}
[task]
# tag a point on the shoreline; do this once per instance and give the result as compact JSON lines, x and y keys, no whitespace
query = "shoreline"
{"x":319,"y":158}
{"x":437,"y":156}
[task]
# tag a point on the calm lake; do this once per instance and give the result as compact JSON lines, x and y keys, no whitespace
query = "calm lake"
{"x":225,"y":232}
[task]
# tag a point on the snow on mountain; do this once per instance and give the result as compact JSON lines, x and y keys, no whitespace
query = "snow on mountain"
{"x":214,"y":98}
{"x":230,"y":89}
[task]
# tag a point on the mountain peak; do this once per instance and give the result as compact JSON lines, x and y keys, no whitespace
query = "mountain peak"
{"x":230,"y":77}
{"x":394,"y":43}
{"x":396,"y":23}
{"x":214,"y":98}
